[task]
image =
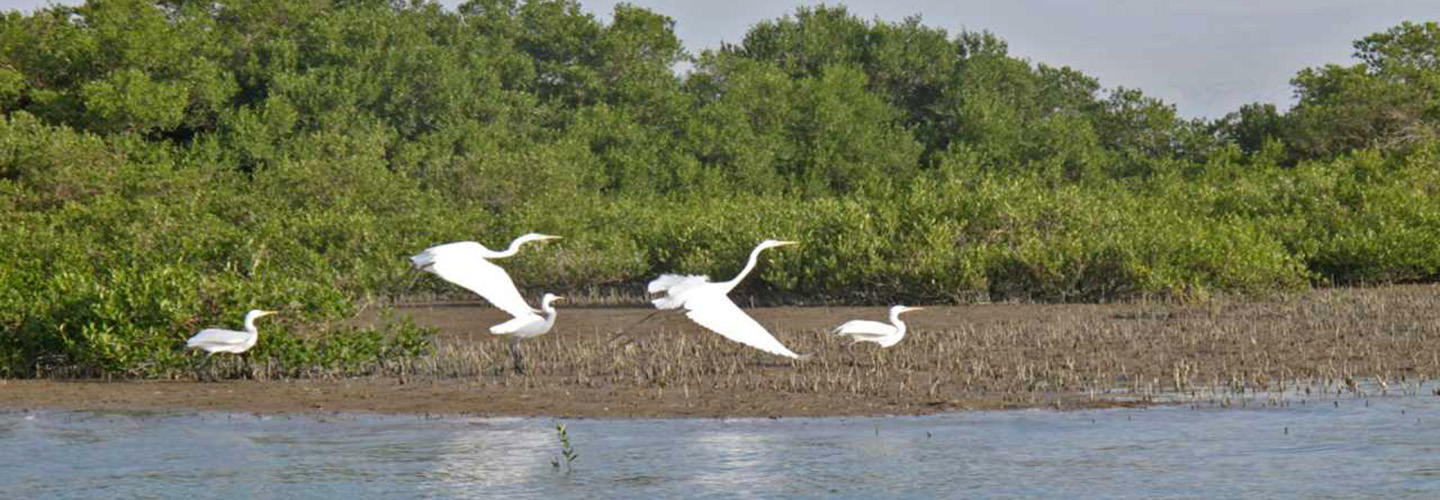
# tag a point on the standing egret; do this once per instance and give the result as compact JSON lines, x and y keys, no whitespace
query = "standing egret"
{"x":708,"y":305}
{"x":530,"y":325}
{"x":874,"y":331}
{"x":464,"y":263}
{"x":527,"y":326}
{"x":213,"y":340}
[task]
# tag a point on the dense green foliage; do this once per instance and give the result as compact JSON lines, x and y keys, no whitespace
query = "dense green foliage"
{"x":167,"y":165}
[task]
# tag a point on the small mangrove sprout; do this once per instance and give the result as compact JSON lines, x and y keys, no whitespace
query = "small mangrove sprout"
{"x":566,"y":452}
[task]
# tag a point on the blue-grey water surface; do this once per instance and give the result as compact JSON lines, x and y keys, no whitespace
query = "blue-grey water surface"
{"x":1385,"y":447}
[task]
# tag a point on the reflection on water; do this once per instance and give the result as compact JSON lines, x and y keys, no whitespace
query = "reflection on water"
{"x":489,"y":458}
{"x":1347,"y":448}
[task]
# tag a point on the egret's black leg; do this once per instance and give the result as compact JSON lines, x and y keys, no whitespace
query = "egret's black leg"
{"x":517,"y":356}
{"x":619,"y":338}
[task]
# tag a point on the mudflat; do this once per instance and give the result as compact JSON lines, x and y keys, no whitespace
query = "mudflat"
{"x":613,"y":362}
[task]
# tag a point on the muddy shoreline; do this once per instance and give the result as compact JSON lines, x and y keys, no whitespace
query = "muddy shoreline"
{"x":599,"y":362}
{"x":438,"y":397}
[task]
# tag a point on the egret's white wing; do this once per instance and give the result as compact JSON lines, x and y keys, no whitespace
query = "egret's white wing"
{"x":516,"y":324}
{"x":464,"y":264}
{"x":719,"y":314}
{"x":217,"y":337}
{"x":674,"y":286}
{"x":667,"y":281}
{"x":865,"y":329}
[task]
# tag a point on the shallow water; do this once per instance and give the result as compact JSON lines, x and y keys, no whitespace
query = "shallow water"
{"x":1381,"y":447}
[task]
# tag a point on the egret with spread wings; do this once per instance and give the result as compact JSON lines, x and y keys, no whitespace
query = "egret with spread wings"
{"x":874,"y":331}
{"x":467,"y":264}
{"x":706,"y":303}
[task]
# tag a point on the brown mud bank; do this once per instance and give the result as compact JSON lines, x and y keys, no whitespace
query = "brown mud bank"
{"x":387,"y":395}
{"x":600,"y":362}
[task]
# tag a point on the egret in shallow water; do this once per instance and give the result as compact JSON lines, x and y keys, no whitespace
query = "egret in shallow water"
{"x":706,"y":303}
{"x":466,"y":264}
{"x":874,"y":331}
{"x":213,"y":340}
{"x":524,"y":327}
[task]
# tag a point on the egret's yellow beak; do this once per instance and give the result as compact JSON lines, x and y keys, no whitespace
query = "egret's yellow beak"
{"x":266,"y":313}
{"x":783,"y":243}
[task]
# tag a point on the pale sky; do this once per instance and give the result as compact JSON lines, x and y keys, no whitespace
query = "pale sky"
{"x":1206,"y":57}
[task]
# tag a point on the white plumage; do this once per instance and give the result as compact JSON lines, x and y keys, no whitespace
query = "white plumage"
{"x":530,"y":325}
{"x":719,"y":314}
{"x":874,"y":331}
{"x":706,"y":303}
{"x":465,"y":264}
{"x":213,"y":340}
{"x":675,"y":288}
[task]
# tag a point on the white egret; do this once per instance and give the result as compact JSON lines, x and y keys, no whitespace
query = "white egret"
{"x":706,"y":303}
{"x":530,"y":325}
{"x":213,"y":340}
{"x":464,"y":263}
{"x":527,"y":326}
{"x":874,"y":331}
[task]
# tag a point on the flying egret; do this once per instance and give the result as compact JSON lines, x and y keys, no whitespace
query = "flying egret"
{"x":464,"y":263}
{"x":874,"y":331}
{"x":527,"y":326}
{"x":213,"y":340}
{"x":708,"y":305}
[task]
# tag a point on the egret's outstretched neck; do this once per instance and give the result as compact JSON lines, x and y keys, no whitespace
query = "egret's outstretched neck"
{"x":749,"y":266}
{"x":549,"y":314}
{"x":895,"y":320}
{"x":250,"y":325}
{"x":510,"y":250}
